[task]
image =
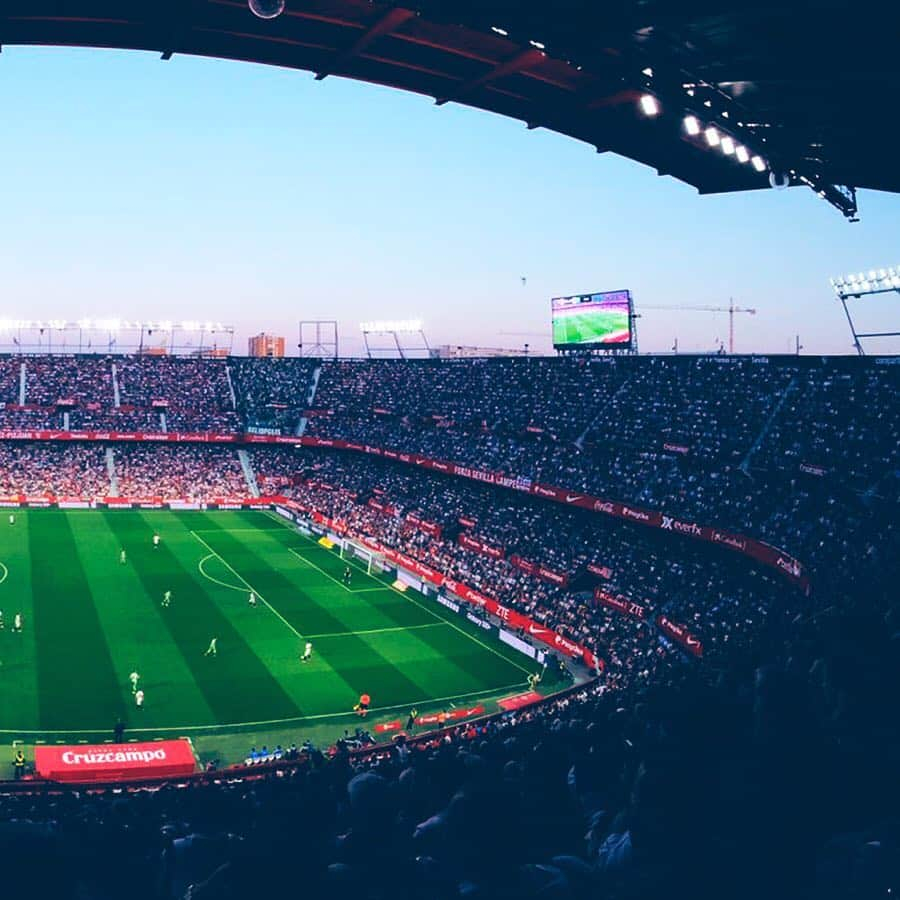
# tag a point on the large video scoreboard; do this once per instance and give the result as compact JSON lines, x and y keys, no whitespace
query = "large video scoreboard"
{"x":592,"y":321}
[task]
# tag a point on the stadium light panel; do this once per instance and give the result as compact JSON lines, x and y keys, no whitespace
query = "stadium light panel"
{"x":648,"y":72}
{"x":712,"y":136}
{"x":758,"y":163}
{"x":387,"y":327}
{"x":267,"y":9}
{"x":742,"y":153}
{"x":727,"y":145}
{"x":691,"y":125}
{"x":501,"y":31}
{"x":649,"y":105}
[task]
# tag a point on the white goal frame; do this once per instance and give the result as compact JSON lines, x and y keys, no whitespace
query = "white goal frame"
{"x":350,"y":550}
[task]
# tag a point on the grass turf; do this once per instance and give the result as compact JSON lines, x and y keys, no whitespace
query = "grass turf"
{"x":90,"y":620}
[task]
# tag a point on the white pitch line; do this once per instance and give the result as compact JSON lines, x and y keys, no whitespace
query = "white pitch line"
{"x":349,"y":590}
{"x":247,"y":583}
{"x":335,"y":634}
{"x":205,"y":574}
{"x":299,"y":720}
{"x":430,"y":612}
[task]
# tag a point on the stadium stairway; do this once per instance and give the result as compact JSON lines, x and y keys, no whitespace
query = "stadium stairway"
{"x":230,"y":387}
{"x":745,"y":463}
{"x":310,"y":398}
{"x":111,"y":470}
{"x":22,"y":385}
{"x":249,"y":474}
{"x":117,"y":397}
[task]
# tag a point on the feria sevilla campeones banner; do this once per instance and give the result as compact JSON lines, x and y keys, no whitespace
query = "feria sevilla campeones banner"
{"x":764,"y":553}
{"x":85,"y":763}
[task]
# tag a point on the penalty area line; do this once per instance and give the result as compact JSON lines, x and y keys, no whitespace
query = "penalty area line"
{"x":247,"y":583}
{"x":337,"y":634}
{"x":5,"y":574}
{"x":422,"y":606}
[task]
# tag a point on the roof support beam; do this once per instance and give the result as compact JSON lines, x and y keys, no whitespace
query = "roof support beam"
{"x":175,"y":23}
{"x":518,"y":63}
{"x":389,"y":22}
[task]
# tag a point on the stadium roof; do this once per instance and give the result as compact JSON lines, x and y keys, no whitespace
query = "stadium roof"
{"x":791,"y":91}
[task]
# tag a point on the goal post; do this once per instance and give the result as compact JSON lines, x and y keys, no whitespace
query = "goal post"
{"x":354,"y":551}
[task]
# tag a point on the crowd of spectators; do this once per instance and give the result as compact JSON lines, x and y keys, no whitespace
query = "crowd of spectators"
{"x":195,"y":472}
{"x":158,"y":393}
{"x":773,"y":778}
{"x":766,"y":768}
{"x":193,"y":393}
{"x":54,"y":470}
{"x":272,"y":395}
{"x":748,"y":444}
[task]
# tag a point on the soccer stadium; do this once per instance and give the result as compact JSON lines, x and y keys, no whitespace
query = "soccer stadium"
{"x":571,"y":618}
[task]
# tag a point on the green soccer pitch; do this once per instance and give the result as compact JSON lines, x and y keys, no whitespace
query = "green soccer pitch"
{"x":90,"y":620}
{"x":591,"y":328}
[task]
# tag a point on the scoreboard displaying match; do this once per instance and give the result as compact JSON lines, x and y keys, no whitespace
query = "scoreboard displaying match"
{"x":592,"y":321}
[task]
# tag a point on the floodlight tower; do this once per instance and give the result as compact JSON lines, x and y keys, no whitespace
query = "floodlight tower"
{"x":877,"y":281}
{"x":394,"y":330}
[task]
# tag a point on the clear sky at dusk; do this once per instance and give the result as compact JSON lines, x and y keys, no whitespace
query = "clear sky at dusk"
{"x":206,"y":189}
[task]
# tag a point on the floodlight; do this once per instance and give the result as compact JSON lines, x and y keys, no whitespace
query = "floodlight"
{"x":267,"y":9}
{"x":691,"y":125}
{"x":712,"y":136}
{"x":500,"y":31}
{"x":727,"y":145}
{"x":758,"y":163}
{"x":742,"y":153}
{"x":648,"y":72}
{"x":649,"y":105}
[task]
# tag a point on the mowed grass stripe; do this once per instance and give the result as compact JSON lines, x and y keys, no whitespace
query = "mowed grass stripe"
{"x":470,"y":653}
{"x":136,"y":633}
{"x":236,"y":684}
{"x":459,"y":660}
{"x":18,"y":670}
{"x":472,"y":639}
{"x":73,"y":660}
{"x":310,"y":601}
{"x":371,"y":673}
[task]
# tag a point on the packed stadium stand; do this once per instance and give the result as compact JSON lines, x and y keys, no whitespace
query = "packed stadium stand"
{"x":760,"y":760}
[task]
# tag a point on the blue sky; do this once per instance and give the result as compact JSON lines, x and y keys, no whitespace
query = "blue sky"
{"x":207,"y":189}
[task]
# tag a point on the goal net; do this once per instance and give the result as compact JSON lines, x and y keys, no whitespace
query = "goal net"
{"x":371,"y":559}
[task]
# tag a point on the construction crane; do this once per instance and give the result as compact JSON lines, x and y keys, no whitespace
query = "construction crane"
{"x":731,"y":309}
